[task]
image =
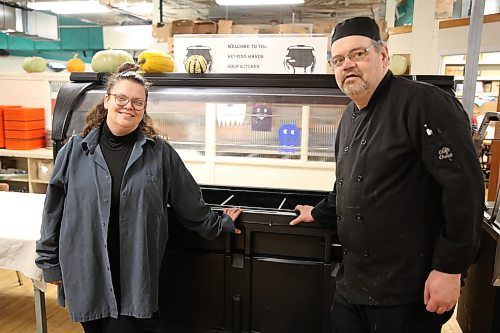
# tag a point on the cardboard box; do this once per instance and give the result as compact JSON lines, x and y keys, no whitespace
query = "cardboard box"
{"x":384,"y":33}
{"x":182,"y":27}
{"x":205,"y":27}
{"x":272,"y":29}
{"x":324,"y":27}
{"x":162,"y":31}
{"x":245,"y":29}
{"x":296,"y":28}
{"x":444,"y":9}
{"x":225,"y":27}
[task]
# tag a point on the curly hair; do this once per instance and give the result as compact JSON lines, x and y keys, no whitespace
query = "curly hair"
{"x":97,"y":115}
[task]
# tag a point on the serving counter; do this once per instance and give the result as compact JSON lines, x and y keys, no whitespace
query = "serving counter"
{"x":260,"y":142}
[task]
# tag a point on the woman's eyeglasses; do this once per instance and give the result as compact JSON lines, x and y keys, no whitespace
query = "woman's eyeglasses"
{"x":137,"y":103}
{"x":355,"y":55}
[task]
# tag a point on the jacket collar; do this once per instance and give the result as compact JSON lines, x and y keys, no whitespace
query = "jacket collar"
{"x":91,"y":141}
{"x":379,"y":91}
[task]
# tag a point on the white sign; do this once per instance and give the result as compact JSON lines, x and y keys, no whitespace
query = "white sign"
{"x":270,"y":54}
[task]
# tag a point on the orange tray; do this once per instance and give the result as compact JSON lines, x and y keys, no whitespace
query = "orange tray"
{"x":23,"y":114}
{"x":33,"y":134}
{"x":24,"y":144}
{"x":24,"y":125}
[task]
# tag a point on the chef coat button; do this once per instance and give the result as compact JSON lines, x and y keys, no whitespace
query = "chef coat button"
{"x":359,"y":217}
{"x":339,"y":217}
{"x":341,"y":182}
{"x":346,"y":149}
{"x":353,"y":116}
{"x":107,"y":177}
{"x":363,"y":142}
{"x":107,"y":268}
{"x":360,"y":178}
{"x":105,"y":246}
{"x":111,"y":289}
{"x":366,"y":254}
{"x":103,"y":224}
{"x":345,"y":252}
{"x":105,"y":199}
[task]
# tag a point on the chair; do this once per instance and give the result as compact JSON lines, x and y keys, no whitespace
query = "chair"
{"x":5,"y":188}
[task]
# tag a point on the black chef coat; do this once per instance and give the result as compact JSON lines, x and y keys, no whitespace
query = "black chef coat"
{"x":409,"y":193}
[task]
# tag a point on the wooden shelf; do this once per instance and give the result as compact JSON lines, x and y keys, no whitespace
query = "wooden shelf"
{"x":28,"y":160}
{"x":23,"y":179}
{"x":400,"y":30}
{"x":39,"y":181}
{"x":462,"y":22}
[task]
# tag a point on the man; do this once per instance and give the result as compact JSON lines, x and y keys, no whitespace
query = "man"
{"x":408,"y":196}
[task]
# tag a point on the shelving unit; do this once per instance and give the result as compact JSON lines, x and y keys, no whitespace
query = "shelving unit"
{"x":28,"y":160}
{"x":488,"y":72}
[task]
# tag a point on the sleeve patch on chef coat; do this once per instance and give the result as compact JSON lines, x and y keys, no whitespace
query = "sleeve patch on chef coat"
{"x":445,"y":153}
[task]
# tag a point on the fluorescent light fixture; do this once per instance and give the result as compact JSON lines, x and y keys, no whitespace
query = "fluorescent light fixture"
{"x":141,"y":8}
{"x":258,"y":2}
{"x":70,"y":7}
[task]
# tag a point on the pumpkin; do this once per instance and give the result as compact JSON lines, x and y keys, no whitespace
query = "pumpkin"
{"x":152,"y":61}
{"x":75,"y":64}
{"x":108,"y":61}
{"x":34,"y":64}
{"x":196,"y":64}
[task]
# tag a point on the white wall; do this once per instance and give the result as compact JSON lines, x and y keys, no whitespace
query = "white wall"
{"x":13,"y":64}
{"x":131,"y":37}
{"x":454,"y":40}
{"x":427,"y":45}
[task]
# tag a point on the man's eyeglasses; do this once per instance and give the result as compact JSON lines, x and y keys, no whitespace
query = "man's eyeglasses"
{"x":137,"y":103}
{"x":355,"y":55}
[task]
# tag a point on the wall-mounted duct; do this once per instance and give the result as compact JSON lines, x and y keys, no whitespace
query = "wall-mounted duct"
{"x":7,"y":18}
{"x":32,"y":24}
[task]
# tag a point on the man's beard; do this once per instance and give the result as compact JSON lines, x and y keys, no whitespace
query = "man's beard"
{"x":356,"y":88}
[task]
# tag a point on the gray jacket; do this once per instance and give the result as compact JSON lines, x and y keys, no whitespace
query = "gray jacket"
{"x":72,"y":247}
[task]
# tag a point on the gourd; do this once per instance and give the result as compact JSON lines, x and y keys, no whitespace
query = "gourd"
{"x":75,"y":65}
{"x":397,"y":64}
{"x":108,"y":61}
{"x":34,"y":64}
{"x":196,"y":64}
{"x":153,"y":61}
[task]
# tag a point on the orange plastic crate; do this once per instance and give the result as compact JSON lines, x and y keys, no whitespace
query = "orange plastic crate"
{"x":27,"y":144}
{"x":23,"y":114}
{"x":33,"y":134}
{"x":23,"y":125}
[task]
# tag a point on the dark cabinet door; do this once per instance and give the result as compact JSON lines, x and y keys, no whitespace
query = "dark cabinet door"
{"x":192,"y":289}
{"x":286,"y":296}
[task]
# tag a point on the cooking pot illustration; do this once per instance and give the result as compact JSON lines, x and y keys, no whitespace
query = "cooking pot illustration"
{"x":300,"y":56}
{"x":200,"y":50}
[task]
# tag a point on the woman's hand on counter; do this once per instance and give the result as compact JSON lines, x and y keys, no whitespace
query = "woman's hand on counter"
{"x":304,"y":214}
{"x":233,"y":213}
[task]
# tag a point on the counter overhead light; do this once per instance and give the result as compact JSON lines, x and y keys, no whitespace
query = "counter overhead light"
{"x":70,"y":7}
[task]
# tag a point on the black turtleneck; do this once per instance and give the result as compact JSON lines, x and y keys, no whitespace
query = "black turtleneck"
{"x":116,"y":151}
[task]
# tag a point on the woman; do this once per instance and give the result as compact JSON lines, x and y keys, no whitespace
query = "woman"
{"x":104,"y":227}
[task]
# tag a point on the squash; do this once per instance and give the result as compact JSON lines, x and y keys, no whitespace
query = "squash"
{"x":398,"y":64}
{"x":108,"y":61}
{"x":75,"y":64}
{"x":34,"y":64}
{"x":196,"y":64}
{"x":152,"y":61}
